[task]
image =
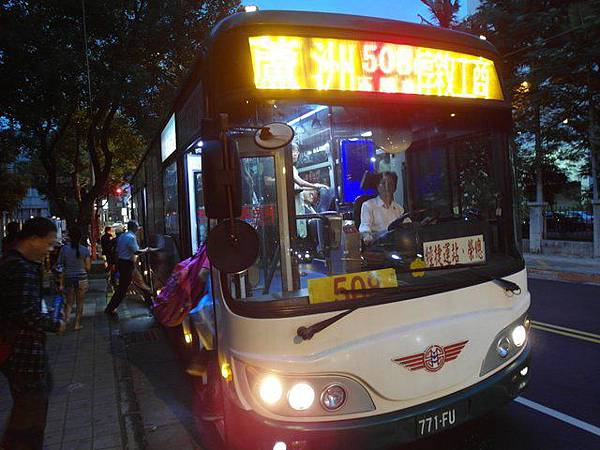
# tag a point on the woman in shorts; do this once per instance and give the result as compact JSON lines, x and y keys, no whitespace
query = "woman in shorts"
{"x":75,"y":261}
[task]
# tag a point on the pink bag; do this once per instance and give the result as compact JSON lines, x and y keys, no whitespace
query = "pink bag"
{"x":182,"y":291}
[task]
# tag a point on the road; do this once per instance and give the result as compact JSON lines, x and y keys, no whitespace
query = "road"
{"x":560,"y":409}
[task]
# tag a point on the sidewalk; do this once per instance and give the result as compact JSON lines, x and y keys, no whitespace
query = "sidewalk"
{"x":562,"y":268}
{"x":83,"y":411}
{"x":117,"y":384}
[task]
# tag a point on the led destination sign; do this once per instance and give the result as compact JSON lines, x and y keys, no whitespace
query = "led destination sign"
{"x":288,"y":62}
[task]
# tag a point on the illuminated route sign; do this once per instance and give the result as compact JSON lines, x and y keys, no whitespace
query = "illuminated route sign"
{"x":288,"y":62}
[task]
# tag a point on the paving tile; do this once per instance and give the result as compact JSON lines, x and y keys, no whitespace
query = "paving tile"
{"x":78,"y":421}
{"x":77,"y":431}
{"x":79,"y":404}
{"x":54,"y":425}
{"x":54,"y":437}
{"x":80,"y":444}
{"x":57,"y":409}
{"x":107,"y":441}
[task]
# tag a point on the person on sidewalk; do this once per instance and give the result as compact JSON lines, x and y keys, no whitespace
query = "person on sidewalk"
{"x":106,"y":244}
{"x":76,"y":262}
{"x":24,"y":327}
{"x":127,"y":249}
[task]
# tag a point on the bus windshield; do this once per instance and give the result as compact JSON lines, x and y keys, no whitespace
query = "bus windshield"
{"x":376,"y":204}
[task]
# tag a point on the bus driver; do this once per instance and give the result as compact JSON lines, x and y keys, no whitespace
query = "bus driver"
{"x":377,"y":213}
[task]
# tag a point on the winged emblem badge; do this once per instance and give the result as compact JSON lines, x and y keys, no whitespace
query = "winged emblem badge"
{"x":433,"y":358}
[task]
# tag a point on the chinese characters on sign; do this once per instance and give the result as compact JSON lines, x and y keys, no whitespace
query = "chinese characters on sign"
{"x":450,"y":252}
{"x":288,"y":62}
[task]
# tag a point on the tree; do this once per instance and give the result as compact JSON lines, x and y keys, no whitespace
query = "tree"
{"x":442,"y":11}
{"x":13,"y":182}
{"x":543,"y":72}
{"x":87,"y":90}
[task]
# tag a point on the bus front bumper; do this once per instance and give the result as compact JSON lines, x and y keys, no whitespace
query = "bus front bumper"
{"x":248,"y":430}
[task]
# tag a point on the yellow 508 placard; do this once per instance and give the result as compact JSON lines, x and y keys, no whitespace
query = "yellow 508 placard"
{"x":349,"y":286}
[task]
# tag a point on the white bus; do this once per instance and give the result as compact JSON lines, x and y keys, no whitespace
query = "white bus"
{"x":376,"y":294}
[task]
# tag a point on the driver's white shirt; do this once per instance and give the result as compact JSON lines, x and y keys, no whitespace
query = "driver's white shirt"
{"x":375,"y":217}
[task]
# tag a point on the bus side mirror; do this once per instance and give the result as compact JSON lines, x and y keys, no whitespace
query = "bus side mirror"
{"x":215,"y":180}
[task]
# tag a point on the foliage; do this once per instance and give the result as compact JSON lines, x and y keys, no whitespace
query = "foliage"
{"x":442,"y":11}
{"x":13,"y":180}
{"x":551,"y":67}
{"x":138,"y":53}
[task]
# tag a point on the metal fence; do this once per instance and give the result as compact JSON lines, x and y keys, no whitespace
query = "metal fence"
{"x":569,"y":224}
{"x":564,"y":224}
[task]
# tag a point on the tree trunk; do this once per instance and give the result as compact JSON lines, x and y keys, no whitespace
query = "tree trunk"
{"x":539,"y":185}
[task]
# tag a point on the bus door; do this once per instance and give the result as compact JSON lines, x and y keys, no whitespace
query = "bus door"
{"x":198,"y":220}
{"x":265,"y":207}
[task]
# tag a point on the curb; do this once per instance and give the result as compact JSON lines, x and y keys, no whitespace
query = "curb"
{"x":568,"y":277}
{"x":132,"y":428}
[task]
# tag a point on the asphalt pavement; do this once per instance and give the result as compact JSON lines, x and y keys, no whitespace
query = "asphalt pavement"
{"x":560,"y":409}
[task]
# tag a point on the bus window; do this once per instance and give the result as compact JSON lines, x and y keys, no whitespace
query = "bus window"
{"x":380,"y":189}
{"x":198,"y":219}
{"x":171,"y":201}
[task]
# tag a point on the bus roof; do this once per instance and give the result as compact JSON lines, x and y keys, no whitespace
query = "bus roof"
{"x":332,"y":21}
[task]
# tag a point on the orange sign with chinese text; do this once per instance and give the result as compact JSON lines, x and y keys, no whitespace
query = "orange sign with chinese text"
{"x":290,"y":62}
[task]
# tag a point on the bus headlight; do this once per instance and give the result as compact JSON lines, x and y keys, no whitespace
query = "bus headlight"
{"x":506,"y":344}
{"x":333,"y":397}
{"x":270,"y":390}
{"x":503,"y":347}
{"x":306,"y":395}
{"x":519,"y":335}
{"x":301,"y":396}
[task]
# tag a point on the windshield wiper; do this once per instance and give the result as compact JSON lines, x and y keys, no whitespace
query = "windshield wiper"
{"x":307,"y":332}
{"x":507,"y":285}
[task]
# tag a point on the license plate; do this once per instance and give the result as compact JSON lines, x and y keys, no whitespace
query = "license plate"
{"x":441,"y":419}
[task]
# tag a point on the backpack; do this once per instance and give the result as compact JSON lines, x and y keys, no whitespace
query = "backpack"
{"x":182,"y":291}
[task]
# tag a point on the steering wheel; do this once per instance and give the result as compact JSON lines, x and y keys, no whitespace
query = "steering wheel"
{"x":399,"y":221}
{"x":412,"y":215}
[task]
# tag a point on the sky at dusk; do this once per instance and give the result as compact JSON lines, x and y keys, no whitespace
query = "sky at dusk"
{"x":406,"y":10}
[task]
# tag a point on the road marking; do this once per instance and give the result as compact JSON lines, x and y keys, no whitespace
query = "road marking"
{"x":560,"y":416}
{"x":564,"y":331}
{"x":572,"y":330}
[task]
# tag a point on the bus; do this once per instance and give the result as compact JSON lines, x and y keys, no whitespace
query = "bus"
{"x":370,"y":290}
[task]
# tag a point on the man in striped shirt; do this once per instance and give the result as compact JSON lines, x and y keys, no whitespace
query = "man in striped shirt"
{"x":24,"y":327}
